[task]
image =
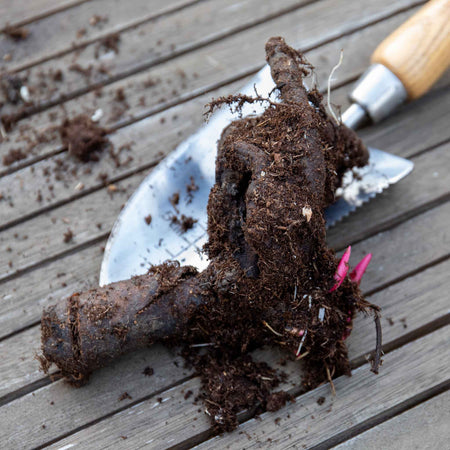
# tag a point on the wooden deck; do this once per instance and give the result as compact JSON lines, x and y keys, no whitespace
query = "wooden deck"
{"x":172,"y":56}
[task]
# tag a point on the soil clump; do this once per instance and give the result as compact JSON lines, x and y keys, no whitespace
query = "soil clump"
{"x":271,"y":280}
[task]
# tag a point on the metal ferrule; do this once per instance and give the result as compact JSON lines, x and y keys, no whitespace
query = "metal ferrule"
{"x":379,"y":92}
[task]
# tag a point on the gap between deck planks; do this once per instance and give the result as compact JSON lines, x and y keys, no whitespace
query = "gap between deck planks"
{"x":70,"y":30}
{"x":185,"y":69}
{"x":148,"y":45}
{"x":19,"y":12}
{"x":59,"y":417}
{"x":424,"y":426}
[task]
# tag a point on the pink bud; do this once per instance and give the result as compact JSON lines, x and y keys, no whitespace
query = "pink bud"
{"x":342,"y":269}
{"x":360,"y":268}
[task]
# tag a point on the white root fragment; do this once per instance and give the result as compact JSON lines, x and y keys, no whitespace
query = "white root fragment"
{"x":301,"y":343}
{"x":307,"y":212}
{"x":341,"y":57}
{"x":321,"y":314}
{"x":98,"y":114}
{"x":25,"y":94}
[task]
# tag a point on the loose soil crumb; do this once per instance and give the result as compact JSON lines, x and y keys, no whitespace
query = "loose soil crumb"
{"x":108,"y":43}
{"x":148,"y":371}
{"x":184,"y":223}
{"x":16,"y":33}
{"x":125,"y":396}
{"x":68,"y":236}
{"x":174,"y":200}
{"x":83,"y":138}
{"x":14,"y":155}
{"x":148,"y":219}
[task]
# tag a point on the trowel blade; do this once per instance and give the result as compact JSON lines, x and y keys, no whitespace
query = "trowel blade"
{"x":134,"y":245}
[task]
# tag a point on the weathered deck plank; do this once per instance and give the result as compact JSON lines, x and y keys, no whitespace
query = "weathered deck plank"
{"x":201,"y":70}
{"x":12,"y":316}
{"x":20,"y":188}
{"x":203,"y":23}
{"x":402,"y":235}
{"x":425,"y":426}
{"x":359,"y":400}
{"x":71,"y":29}
{"x":305,"y":422}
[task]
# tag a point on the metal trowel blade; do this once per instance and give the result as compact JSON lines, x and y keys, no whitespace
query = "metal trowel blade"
{"x":134,"y":245}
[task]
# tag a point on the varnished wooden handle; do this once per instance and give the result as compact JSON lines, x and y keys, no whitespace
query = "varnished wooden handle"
{"x":419,"y":51}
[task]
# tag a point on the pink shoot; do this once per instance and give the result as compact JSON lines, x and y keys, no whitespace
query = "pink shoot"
{"x":359,"y":270}
{"x":342,"y":269}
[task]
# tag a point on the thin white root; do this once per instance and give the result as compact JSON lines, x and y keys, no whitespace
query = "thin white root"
{"x":330,"y":108}
{"x":3,"y":133}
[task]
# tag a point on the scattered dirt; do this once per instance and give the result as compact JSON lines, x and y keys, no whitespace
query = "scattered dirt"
{"x":148,"y":219}
{"x":83,"y":138}
{"x":108,"y":43}
{"x":148,"y":371}
{"x":125,"y":396}
{"x":97,"y":20}
{"x":10,"y":86}
{"x":68,"y":236}
{"x":174,"y":200}
{"x":16,"y":33}
{"x":14,"y":155}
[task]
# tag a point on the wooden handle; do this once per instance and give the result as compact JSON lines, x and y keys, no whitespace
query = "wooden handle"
{"x":419,"y":51}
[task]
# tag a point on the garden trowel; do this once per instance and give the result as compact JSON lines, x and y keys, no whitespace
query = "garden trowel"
{"x":166,"y":217}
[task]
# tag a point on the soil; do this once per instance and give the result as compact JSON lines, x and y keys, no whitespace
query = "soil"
{"x":83,"y":138}
{"x":270,"y":273}
{"x":148,"y":371}
{"x":16,"y":33}
{"x":14,"y":155}
{"x":108,"y":43}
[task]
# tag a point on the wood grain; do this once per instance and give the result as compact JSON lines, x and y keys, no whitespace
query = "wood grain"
{"x":70,"y":29}
{"x":408,"y":276}
{"x":17,"y":12}
{"x":303,"y":423}
{"x":306,"y":27}
{"x":19,"y":309}
{"x":425,"y":426}
{"x":402,"y":304}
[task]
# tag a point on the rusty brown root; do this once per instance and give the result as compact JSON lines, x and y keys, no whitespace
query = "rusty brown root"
{"x":269,"y":279}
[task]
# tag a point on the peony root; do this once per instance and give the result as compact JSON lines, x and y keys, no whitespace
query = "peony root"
{"x":272,"y":279}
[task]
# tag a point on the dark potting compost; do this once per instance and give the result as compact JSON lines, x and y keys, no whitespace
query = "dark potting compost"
{"x":271,"y":281}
